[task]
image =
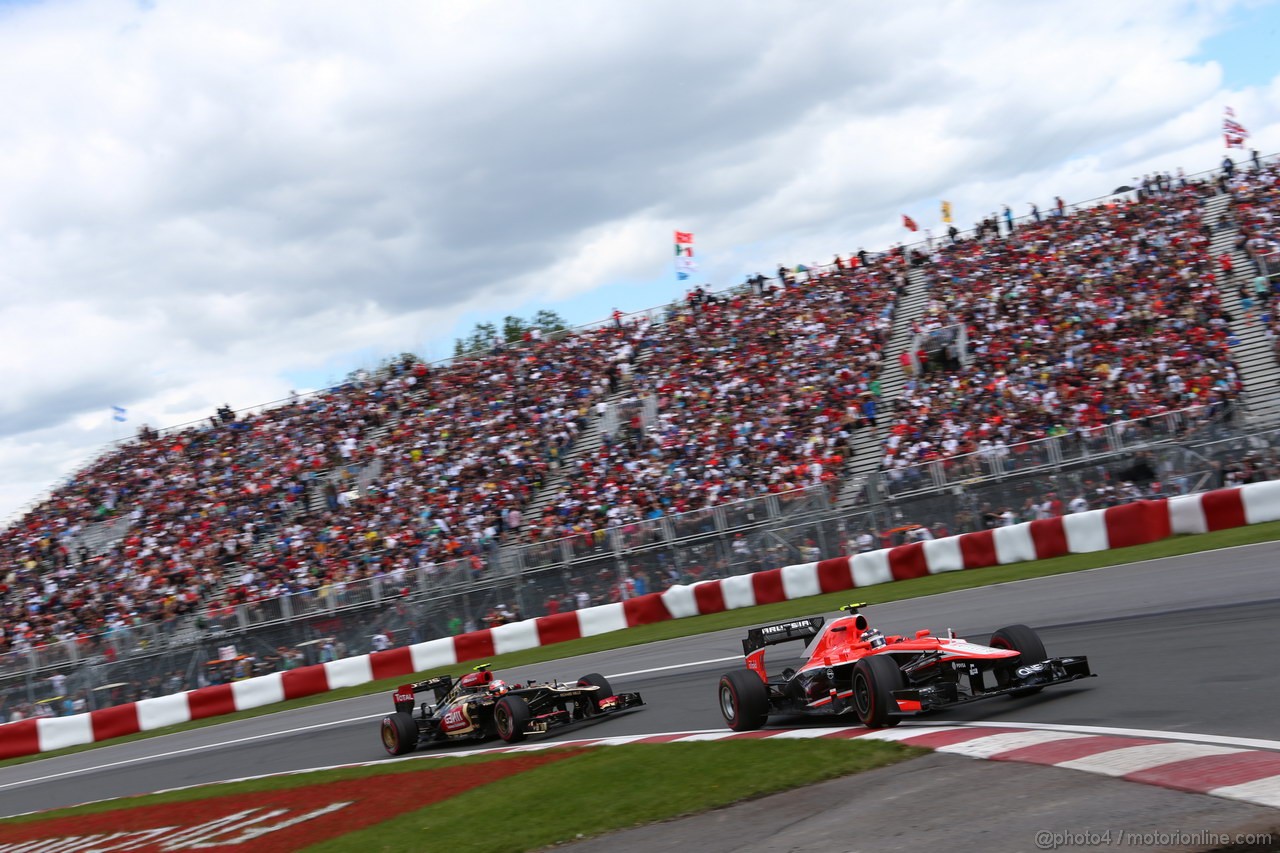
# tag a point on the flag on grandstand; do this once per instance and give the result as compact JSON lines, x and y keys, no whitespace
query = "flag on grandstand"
{"x":1233,"y":132}
{"x":909,"y":223}
{"x":119,"y":413}
{"x":946,"y":212}
{"x":685,"y":266}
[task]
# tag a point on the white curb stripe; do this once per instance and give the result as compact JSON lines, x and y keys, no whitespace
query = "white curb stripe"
{"x":1262,"y":792}
{"x":1121,"y":762}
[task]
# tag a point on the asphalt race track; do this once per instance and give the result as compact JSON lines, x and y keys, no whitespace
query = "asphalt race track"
{"x":1181,"y":644}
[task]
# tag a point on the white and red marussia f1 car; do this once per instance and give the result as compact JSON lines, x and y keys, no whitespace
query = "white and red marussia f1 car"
{"x":852,"y":668}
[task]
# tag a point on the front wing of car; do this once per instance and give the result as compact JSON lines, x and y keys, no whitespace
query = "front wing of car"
{"x":912,"y":701}
{"x":549,"y":712}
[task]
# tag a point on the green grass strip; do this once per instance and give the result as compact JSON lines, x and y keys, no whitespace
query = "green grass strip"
{"x":612,"y":788}
{"x":675,"y":628}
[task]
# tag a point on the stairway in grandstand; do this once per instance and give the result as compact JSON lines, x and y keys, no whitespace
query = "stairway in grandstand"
{"x":866,"y":447}
{"x":588,"y":441}
{"x":1252,"y":351}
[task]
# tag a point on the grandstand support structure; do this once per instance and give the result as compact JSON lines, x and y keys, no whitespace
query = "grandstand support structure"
{"x":867,"y":443}
{"x":1251,"y":350}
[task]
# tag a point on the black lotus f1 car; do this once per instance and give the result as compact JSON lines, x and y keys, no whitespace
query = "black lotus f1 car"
{"x":480,"y":707}
{"x":852,"y":668}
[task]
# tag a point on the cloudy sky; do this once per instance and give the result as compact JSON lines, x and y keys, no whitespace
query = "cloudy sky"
{"x":207,"y":203}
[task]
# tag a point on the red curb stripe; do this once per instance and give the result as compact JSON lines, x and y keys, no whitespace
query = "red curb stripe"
{"x":709,"y":597}
{"x":391,"y":663}
{"x":1136,"y":523}
{"x":908,"y":561}
{"x":20,"y":738}
{"x":1050,"y":538}
{"x":1223,"y":508}
{"x":117,"y":721}
{"x":768,"y":587}
{"x":559,"y":628}
{"x":834,"y":575}
{"x":1057,"y":751}
{"x":211,"y":701}
{"x":645,"y":610}
{"x":304,"y":681}
{"x":1210,"y":771}
{"x":473,"y":646}
{"x":978,"y":549}
{"x":934,"y":740}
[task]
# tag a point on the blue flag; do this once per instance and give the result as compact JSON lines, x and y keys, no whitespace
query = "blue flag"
{"x":119,"y":413}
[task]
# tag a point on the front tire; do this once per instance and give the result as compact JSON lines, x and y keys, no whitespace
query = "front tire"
{"x":874,"y":680}
{"x":399,"y":733}
{"x":511,"y":718}
{"x":603,"y":691}
{"x":744,"y":700}
{"x":1030,"y":648}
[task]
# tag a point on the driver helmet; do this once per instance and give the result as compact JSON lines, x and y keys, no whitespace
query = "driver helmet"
{"x":497,"y":687}
{"x":873,"y":637}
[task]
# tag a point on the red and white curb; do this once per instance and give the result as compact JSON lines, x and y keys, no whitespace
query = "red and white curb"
{"x":1243,"y":773}
{"x":1246,"y":770}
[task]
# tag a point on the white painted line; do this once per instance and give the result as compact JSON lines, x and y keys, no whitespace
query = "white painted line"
{"x":674,"y":666}
{"x":1131,"y":759}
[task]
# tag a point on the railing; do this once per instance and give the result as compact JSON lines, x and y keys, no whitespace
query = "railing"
{"x":1268,"y":264}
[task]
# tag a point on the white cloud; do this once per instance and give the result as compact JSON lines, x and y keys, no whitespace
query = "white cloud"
{"x":198,"y":201}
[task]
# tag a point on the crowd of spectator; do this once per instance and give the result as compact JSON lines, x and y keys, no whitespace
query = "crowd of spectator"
{"x":1073,"y":320}
{"x":1253,"y":214}
{"x":755,"y":394}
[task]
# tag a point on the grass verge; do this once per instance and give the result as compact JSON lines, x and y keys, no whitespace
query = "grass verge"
{"x":932,"y":585}
{"x":597,"y":791}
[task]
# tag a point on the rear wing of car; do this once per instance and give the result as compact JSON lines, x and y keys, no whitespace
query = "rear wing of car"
{"x":404,"y":695}
{"x":782,"y":632}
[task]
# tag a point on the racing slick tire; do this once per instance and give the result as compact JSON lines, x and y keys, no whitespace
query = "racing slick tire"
{"x":1030,"y":648}
{"x":874,"y":680}
{"x":511,"y":717}
{"x":595,"y":679}
{"x":744,"y":700}
{"x":399,"y":733}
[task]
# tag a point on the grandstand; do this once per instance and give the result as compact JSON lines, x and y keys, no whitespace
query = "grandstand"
{"x":1096,"y":356}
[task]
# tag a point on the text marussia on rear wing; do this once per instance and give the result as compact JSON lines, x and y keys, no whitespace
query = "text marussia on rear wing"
{"x":796,"y":629}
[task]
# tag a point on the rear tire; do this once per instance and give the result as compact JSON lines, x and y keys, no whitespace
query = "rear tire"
{"x":595,"y":679}
{"x":1030,"y":648}
{"x":744,"y":700}
{"x":399,"y":733}
{"x":874,"y":680}
{"x":511,"y":718}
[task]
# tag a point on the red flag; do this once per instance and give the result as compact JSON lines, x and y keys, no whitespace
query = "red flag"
{"x":684,"y":237}
{"x":909,"y":223}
